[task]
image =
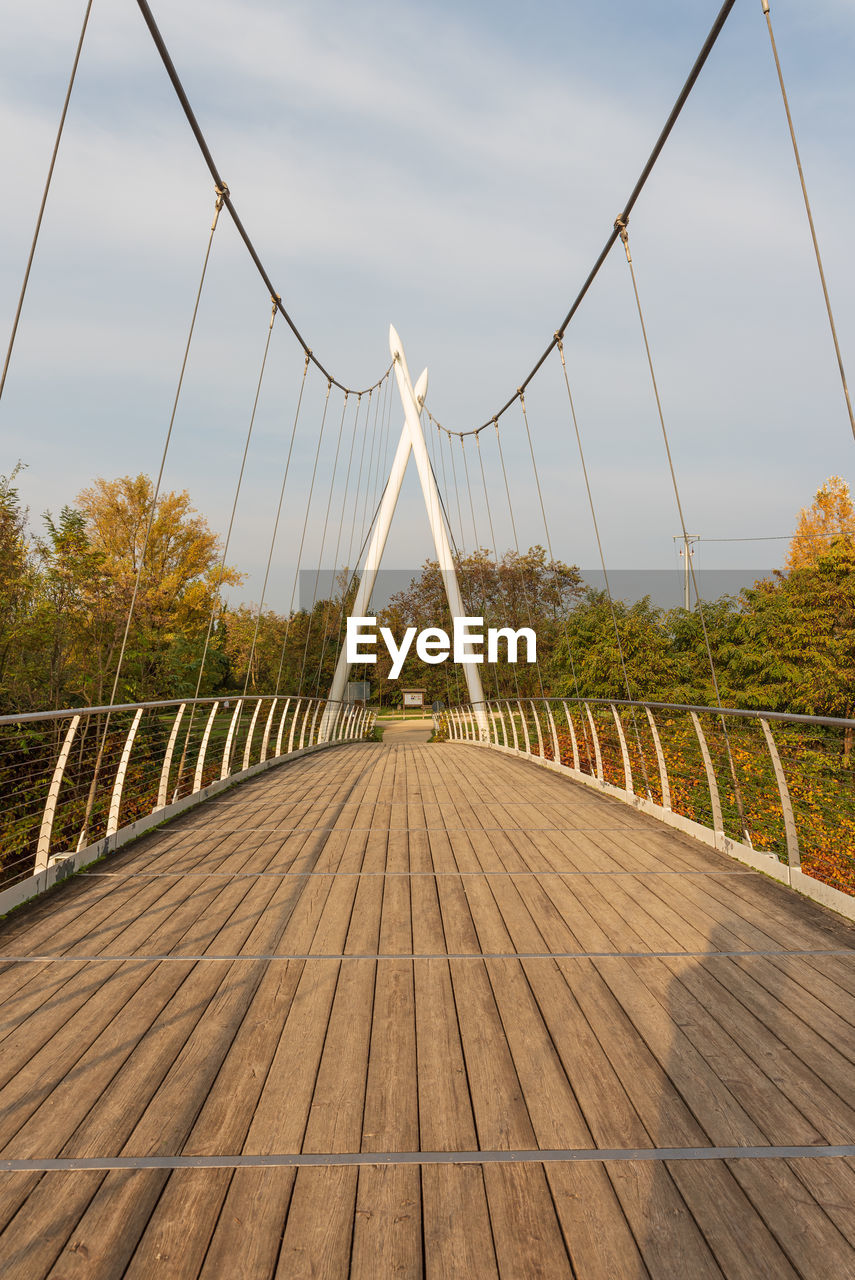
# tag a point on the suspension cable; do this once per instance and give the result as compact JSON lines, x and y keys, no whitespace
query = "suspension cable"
{"x":477,"y":551}
{"x":624,"y":235}
{"x":502,"y":593}
{"x":45,"y":194}
{"x":303,"y":538}
{"x":222,"y":571}
{"x":148,"y":18}
{"x":457,"y":495}
{"x":156,"y":493}
{"x":546,"y":531}
{"x":358,"y":489}
{"x":311,"y":611}
{"x":342,"y":508}
{"x":218,"y":204}
{"x":809,"y":216}
{"x":276,"y":525}
{"x":517,"y":548}
{"x":682,"y":98}
{"x":594,"y":521}
{"x":374,"y":470}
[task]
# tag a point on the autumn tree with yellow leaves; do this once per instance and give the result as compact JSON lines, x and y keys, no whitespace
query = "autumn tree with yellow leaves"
{"x":828,"y":520}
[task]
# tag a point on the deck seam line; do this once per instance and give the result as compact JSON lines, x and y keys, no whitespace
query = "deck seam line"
{"x":350,"y":1158}
{"x":444,"y":955}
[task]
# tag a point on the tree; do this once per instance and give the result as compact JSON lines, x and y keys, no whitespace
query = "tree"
{"x":830,"y":517}
{"x":16,"y":577}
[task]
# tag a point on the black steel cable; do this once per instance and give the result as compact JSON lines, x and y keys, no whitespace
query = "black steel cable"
{"x":624,"y":235}
{"x":43,"y":204}
{"x":156,"y":36}
{"x":813,"y":236}
{"x":303,"y":537}
{"x":276,"y":526}
{"x":715,"y":32}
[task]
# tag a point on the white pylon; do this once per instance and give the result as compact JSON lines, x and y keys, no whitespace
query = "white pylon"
{"x":412,"y":439}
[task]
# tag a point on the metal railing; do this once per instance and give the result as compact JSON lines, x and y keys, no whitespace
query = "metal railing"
{"x":773,"y":789}
{"x":77,"y":782}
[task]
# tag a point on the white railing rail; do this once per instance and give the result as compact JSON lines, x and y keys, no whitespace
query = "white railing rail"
{"x":77,"y":783}
{"x":782,"y":799}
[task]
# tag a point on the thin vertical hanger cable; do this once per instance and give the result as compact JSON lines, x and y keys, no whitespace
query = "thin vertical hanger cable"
{"x":366,"y":510}
{"x":595,"y":522}
{"x":45,"y":193}
{"x":374,"y":476}
{"x":546,"y":531}
{"x":349,"y":570}
{"x":477,"y":551}
{"x":512,"y":665}
{"x":333,"y":583}
{"x":454,"y":549}
{"x":624,"y":235}
{"x":222,"y":569}
{"x":303,"y":538}
{"x":813,"y":235}
{"x":311,"y":610}
{"x":517,"y":547}
{"x":218,"y":204}
{"x":276,"y":526}
{"x":345,"y":568}
{"x":357,"y":490}
{"x":457,"y":496}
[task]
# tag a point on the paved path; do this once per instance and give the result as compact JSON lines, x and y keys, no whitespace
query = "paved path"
{"x":398,"y":732}
{"x":396,"y":1010}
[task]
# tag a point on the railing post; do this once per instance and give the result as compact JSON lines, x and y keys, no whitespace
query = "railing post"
{"x":627,"y":769}
{"x":281,"y":729}
{"x":573,"y":742}
{"x":794,"y":857}
{"x":660,"y":760}
{"x":471,"y":731}
{"x":502,"y":722}
{"x":227,"y":751}
{"x":267,"y":728}
{"x":43,"y":848}
{"x":597,"y":753}
{"x":247,"y":751}
{"x":513,"y":720}
{"x":715,"y":802}
{"x":537,"y":727}
{"x":200,"y":763}
{"x":118,"y":785}
{"x":314,"y":721}
{"x":458,"y":731}
{"x":556,"y":750}
{"x":163,"y":788}
{"x":292,"y":733}
{"x":524,"y":728}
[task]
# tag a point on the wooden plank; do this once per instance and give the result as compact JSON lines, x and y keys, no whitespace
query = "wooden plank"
{"x":388,"y":1206}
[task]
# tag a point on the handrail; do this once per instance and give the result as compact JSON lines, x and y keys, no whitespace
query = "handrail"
{"x":69,"y":795}
{"x":838,"y":722}
{"x":799,"y":820}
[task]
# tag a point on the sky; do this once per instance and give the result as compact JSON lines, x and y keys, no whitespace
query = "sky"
{"x":453,"y":170}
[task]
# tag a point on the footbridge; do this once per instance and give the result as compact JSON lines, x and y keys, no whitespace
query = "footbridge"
{"x":540,"y":986}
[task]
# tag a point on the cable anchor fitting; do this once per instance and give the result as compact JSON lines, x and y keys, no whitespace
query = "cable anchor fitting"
{"x":620,"y":228}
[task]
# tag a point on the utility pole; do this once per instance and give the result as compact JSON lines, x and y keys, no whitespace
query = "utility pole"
{"x":685,"y":551}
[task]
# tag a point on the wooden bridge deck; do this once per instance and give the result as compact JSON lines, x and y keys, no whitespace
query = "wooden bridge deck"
{"x":386,"y":954}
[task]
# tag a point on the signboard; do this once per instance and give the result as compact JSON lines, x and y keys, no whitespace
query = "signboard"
{"x":414,"y":697}
{"x":357,"y":691}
